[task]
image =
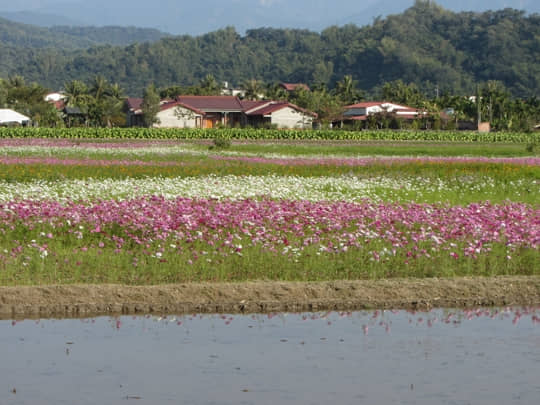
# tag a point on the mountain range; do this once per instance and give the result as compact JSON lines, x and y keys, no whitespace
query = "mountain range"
{"x":72,"y":37}
{"x":428,"y":45}
{"x":198,"y":17}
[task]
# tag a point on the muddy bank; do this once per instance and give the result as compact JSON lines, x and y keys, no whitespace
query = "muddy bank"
{"x":250,"y":297}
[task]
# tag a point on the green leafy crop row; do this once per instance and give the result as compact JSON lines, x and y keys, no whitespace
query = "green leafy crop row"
{"x":251,"y":133}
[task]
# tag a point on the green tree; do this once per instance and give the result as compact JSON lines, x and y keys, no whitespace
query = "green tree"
{"x":150,"y":106}
{"x":274,"y":91}
{"x":347,"y":91}
{"x":209,"y":86}
{"x":76,"y":93}
{"x":45,"y":115}
{"x":328,"y":107}
{"x":399,"y":92}
{"x":323,"y":73}
{"x":3,"y":93}
{"x":99,"y":88}
{"x":253,"y":88}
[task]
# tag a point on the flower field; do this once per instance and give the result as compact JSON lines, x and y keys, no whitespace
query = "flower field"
{"x":139,"y":212}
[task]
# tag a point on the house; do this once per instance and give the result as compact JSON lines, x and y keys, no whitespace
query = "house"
{"x":176,"y":114}
{"x":213,"y":111}
{"x":361,"y":111}
{"x":10,"y":117}
{"x":281,"y":114}
{"x":134,"y":112}
{"x":226,"y":90}
{"x":54,"y":97}
{"x":218,"y":110}
{"x":57,"y":99}
{"x":73,"y":116}
{"x":190,"y":112}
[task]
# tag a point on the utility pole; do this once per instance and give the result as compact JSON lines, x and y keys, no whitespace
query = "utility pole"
{"x":478,"y":106}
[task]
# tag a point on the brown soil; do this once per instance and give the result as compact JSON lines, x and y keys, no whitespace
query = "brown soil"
{"x":251,"y":297}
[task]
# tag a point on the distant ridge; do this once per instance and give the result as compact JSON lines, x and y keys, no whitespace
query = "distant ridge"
{"x":201,"y":16}
{"x":40,"y":19}
{"x":14,"y":34}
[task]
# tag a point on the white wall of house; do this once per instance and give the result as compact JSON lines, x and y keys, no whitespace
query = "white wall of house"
{"x":168,"y":118}
{"x":290,"y":118}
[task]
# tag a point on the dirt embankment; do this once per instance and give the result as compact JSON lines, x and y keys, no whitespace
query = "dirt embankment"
{"x":261,"y":297}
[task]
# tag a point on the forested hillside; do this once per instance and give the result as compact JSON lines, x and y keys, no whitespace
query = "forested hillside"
{"x":426,"y":45}
{"x":13,"y":34}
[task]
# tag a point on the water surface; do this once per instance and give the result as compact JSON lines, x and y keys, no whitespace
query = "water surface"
{"x":484,"y":356}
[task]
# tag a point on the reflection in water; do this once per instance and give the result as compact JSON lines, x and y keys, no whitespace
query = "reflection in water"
{"x":481,"y":356}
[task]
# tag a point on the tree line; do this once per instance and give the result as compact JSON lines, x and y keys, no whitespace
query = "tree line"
{"x":103,"y":104}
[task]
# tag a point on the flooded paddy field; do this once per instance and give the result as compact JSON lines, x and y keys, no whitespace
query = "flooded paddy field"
{"x":448,"y":356}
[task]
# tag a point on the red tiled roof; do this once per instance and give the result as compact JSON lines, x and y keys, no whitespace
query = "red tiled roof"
{"x":294,"y":86}
{"x":134,"y":103}
{"x":204,"y":104}
{"x":171,"y":104}
{"x":250,"y":104}
{"x":367,"y":104}
{"x":212,"y":103}
{"x":268,"y":107}
{"x":59,"y":105}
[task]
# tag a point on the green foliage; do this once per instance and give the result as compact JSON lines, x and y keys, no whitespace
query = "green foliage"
{"x":426,"y":46}
{"x":64,"y":37}
{"x":220,"y":142}
{"x":347,"y":92}
{"x":532,"y":147}
{"x":209,"y":86}
{"x":268,"y":134}
{"x":401,"y":93}
{"x":150,"y":106}
{"x":253,"y":88}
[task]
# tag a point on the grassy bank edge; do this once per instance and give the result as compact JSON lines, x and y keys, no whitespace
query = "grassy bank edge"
{"x":83,"y":301}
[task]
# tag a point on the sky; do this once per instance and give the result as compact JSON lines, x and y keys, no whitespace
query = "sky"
{"x":197,"y":17}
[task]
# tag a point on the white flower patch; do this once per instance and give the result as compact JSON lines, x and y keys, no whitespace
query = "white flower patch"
{"x":339,"y":188}
{"x":342,"y":188}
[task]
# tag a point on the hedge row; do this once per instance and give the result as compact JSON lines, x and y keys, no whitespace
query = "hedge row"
{"x":254,"y":134}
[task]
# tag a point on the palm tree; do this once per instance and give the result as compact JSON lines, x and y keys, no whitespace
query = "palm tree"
{"x":99,"y":87}
{"x":209,"y":85}
{"x":253,"y":88}
{"x":16,"y":81}
{"x":115,"y":91}
{"x":347,"y":91}
{"x":113,"y":104}
{"x":76,"y":93}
